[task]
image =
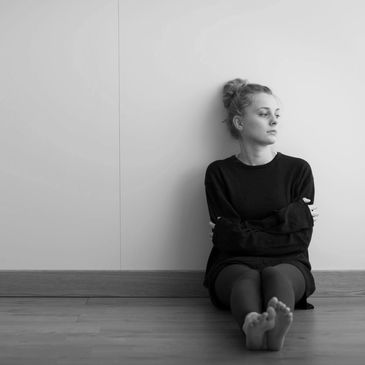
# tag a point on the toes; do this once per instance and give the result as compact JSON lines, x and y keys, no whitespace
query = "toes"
{"x":278,"y":305}
{"x":271,"y":313}
{"x":273,"y":302}
{"x":282,"y":307}
{"x":288,"y":316}
{"x":262,"y":318}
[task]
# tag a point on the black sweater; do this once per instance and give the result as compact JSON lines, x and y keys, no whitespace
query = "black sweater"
{"x":262,"y":213}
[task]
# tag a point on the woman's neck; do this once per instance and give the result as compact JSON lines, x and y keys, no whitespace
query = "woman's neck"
{"x":256,"y":156}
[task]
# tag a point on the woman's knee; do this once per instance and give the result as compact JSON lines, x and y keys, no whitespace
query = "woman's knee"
{"x":270,"y":273}
{"x":232,"y":275}
{"x":285,"y":273}
{"x":231,"y":272}
{"x":292,"y":272}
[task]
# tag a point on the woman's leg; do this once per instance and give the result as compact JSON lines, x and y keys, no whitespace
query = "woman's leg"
{"x":284,"y":281}
{"x":239,"y":287}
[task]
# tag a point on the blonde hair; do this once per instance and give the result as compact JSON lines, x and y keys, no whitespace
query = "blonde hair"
{"x":237,"y":95}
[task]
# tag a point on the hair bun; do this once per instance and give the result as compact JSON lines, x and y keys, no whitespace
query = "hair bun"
{"x":231,"y":88}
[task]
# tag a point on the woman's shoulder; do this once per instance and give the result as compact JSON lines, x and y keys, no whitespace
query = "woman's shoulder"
{"x":296,"y":164}
{"x":294,"y":160}
{"x":220,"y":163}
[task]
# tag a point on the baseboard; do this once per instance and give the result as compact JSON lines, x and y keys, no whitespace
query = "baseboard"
{"x":159,"y":283}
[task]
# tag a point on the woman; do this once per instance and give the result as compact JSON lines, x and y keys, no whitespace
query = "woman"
{"x":262,"y":222}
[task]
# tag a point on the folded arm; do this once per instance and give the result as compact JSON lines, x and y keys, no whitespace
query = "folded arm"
{"x":238,"y":239}
{"x":291,"y":218}
{"x":285,"y":231}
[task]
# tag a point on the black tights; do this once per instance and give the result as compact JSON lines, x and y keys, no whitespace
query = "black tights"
{"x":246,"y":290}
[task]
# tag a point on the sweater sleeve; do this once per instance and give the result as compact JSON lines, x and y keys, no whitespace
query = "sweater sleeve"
{"x":291,"y":218}
{"x":216,"y":195}
{"x":296,"y":215}
{"x":287,"y":231}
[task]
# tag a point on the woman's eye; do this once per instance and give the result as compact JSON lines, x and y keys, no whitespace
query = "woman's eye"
{"x":266,"y":114}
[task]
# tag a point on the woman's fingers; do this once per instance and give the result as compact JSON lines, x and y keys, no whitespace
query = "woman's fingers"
{"x":312,"y":207}
{"x":212,"y":225}
{"x":313,"y":210}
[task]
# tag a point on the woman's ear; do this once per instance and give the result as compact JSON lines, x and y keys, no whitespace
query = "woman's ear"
{"x":238,"y":122}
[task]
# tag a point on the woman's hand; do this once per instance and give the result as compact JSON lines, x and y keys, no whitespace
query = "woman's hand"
{"x":312,"y":209}
{"x":212,"y":225}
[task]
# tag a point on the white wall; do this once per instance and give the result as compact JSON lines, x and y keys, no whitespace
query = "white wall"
{"x":90,"y":183}
{"x":59,"y":126}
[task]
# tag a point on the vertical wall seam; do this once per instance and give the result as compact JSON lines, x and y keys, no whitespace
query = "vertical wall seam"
{"x":119,"y":149}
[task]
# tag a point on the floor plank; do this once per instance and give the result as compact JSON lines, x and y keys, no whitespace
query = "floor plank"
{"x":169,"y":331}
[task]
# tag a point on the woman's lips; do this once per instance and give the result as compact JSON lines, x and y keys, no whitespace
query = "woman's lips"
{"x":274,"y":132}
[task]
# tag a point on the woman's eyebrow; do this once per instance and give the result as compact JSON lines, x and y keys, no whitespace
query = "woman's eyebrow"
{"x":265,"y":107}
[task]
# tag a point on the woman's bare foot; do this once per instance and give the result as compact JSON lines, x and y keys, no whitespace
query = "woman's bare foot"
{"x":283,"y":321}
{"x":255,"y":327}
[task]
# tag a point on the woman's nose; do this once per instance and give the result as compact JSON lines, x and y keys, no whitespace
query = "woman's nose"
{"x":274,"y":120}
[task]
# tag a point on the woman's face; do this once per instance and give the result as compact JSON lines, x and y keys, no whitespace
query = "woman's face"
{"x":259,"y":118}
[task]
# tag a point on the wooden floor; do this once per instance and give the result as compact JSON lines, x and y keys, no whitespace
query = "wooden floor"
{"x":169,"y":331}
